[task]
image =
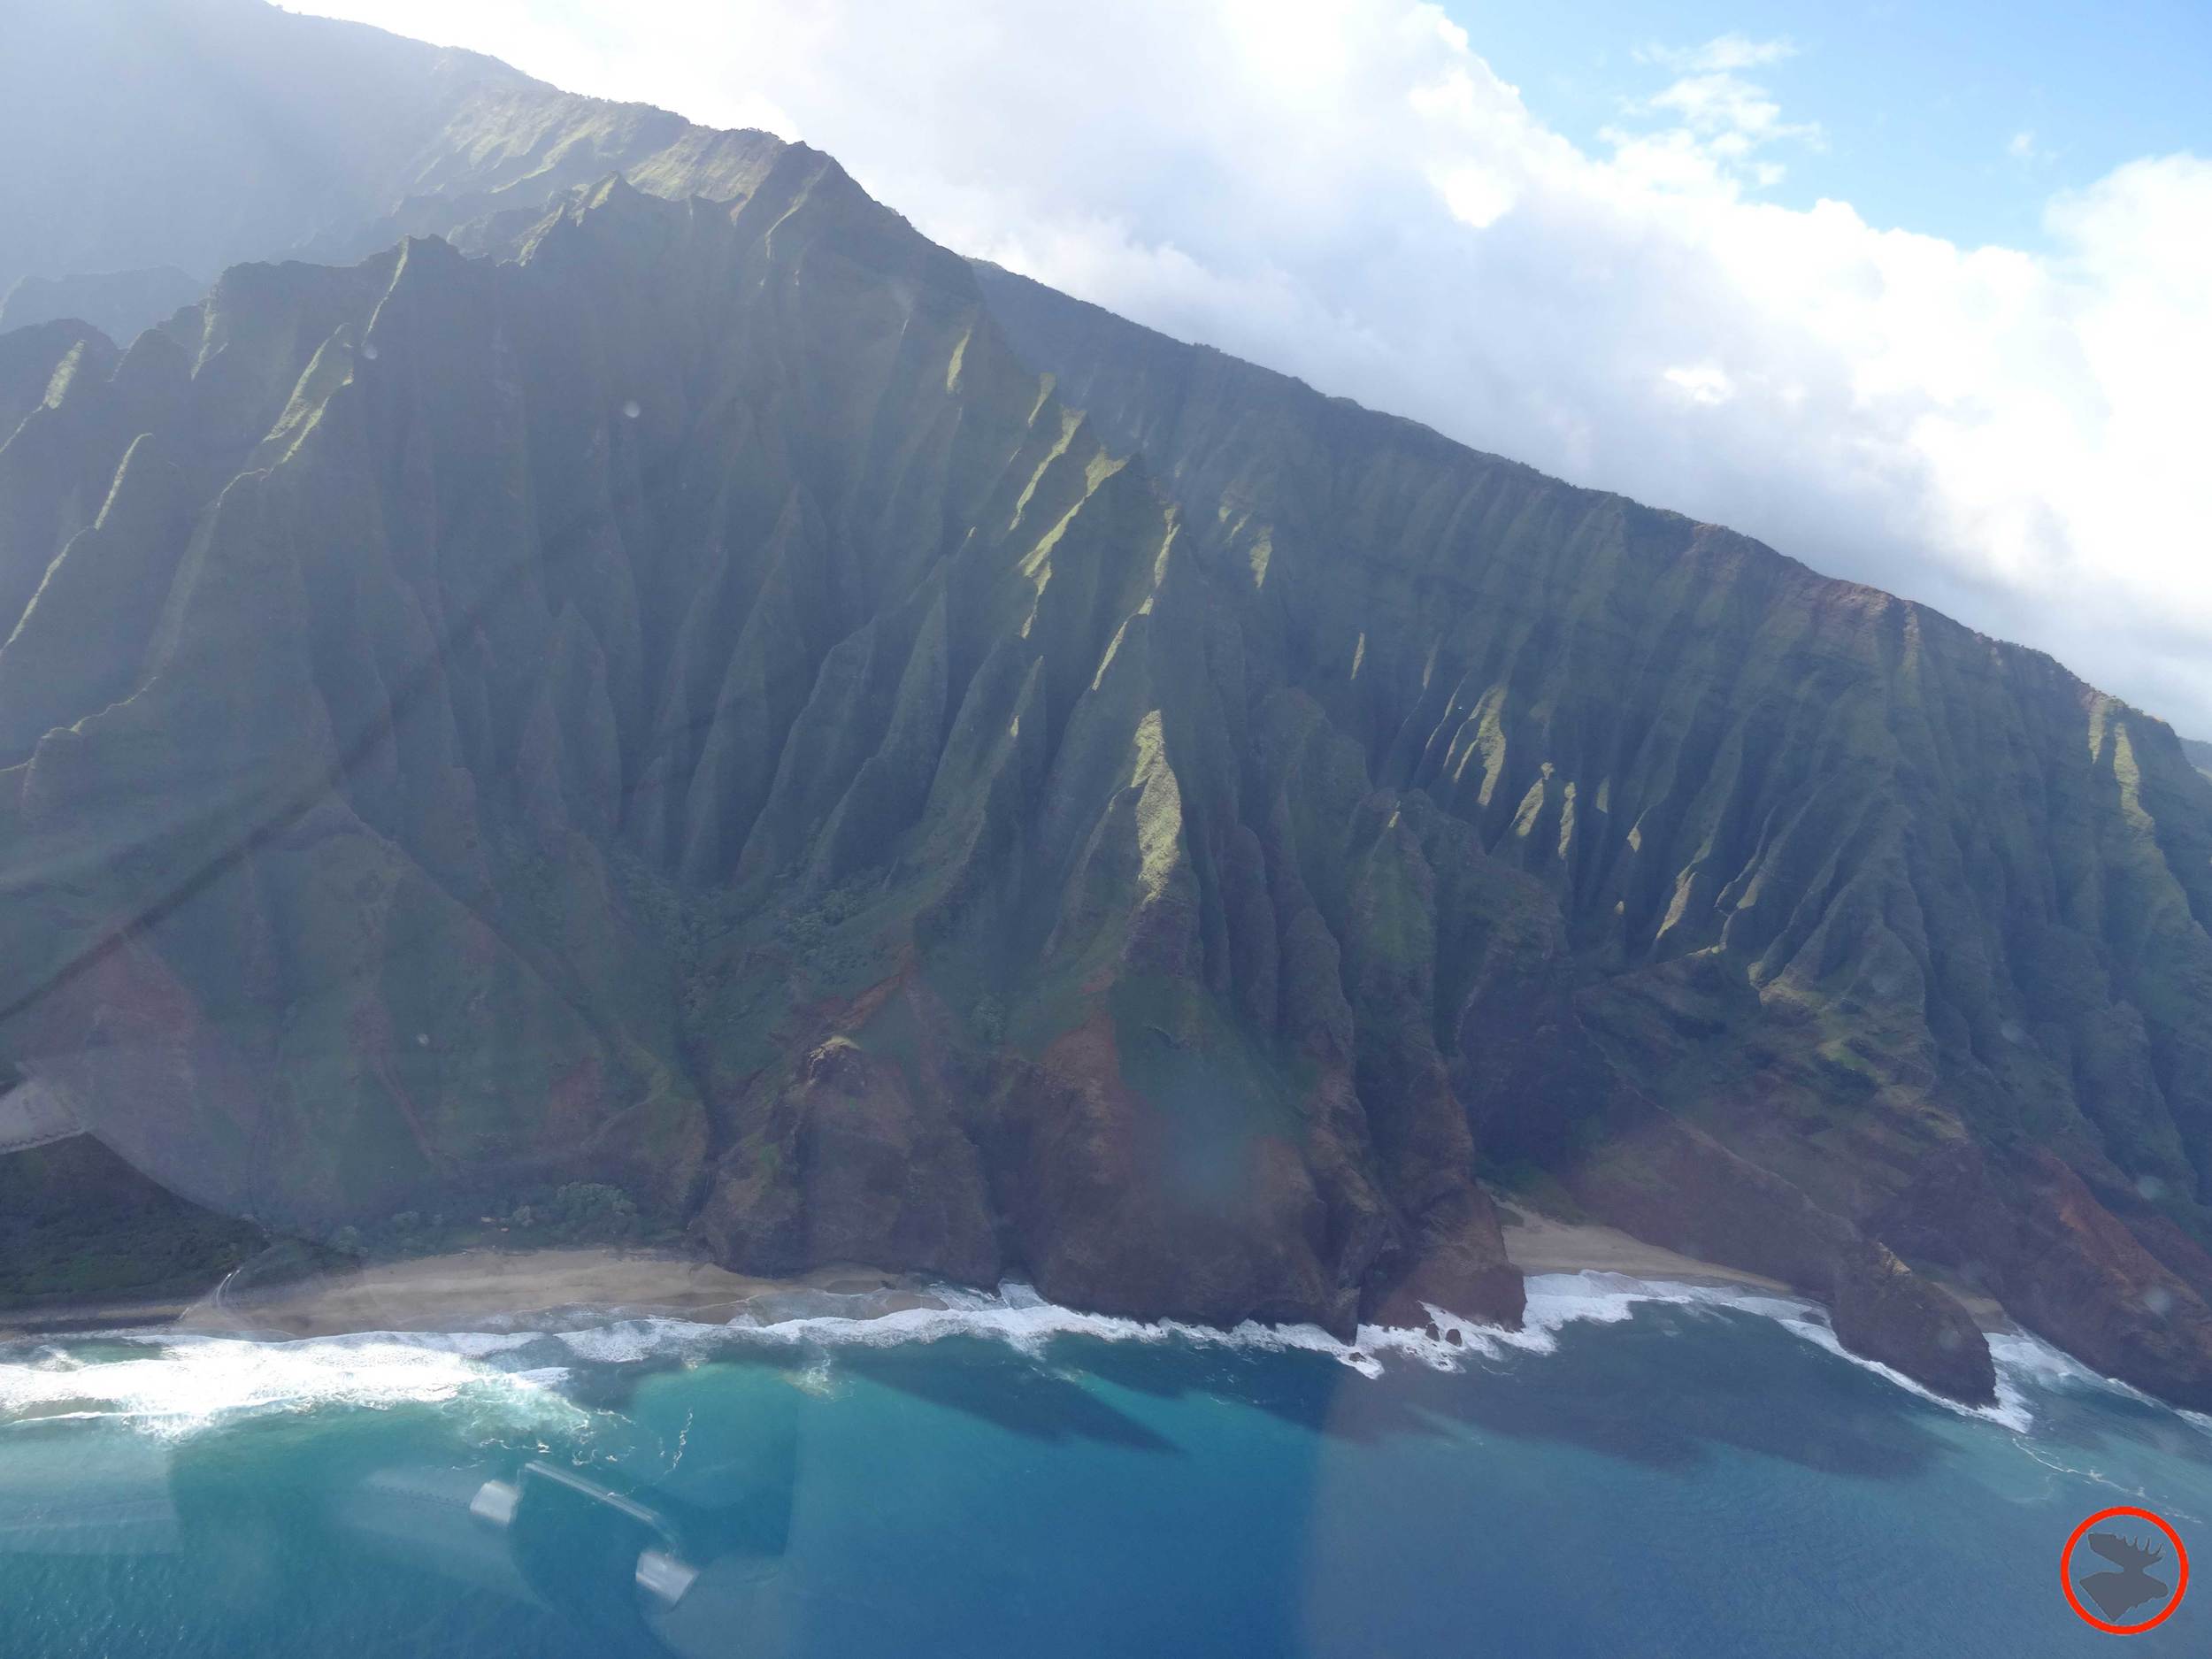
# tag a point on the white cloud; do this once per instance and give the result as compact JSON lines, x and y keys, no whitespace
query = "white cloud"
{"x":1720,"y":54}
{"x":1718,"y":119}
{"x":1344,"y":189}
{"x":1705,"y":383}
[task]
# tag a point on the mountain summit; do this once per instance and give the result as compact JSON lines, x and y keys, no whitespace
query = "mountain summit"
{"x":659,"y":675}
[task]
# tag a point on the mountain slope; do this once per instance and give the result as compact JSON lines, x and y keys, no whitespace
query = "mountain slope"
{"x":704,"y":613}
{"x":679,"y":700}
{"x":1886,"y":906}
{"x":195,"y":133}
{"x":121,"y":304}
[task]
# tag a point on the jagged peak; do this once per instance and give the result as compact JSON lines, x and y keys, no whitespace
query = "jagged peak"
{"x":155,"y":364}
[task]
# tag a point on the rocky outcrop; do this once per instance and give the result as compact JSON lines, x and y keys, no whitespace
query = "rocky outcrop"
{"x":873,"y":1177}
{"x":1886,"y":1312}
{"x":1663,"y":1181}
{"x":2125,"y":1292}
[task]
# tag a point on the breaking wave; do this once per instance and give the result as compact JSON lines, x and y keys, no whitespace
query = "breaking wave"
{"x":174,"y":1385}
{"x":1016,"y":1316}
{"x":190,"y":1381}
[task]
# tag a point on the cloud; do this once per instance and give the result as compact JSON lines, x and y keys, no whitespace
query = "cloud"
{"x":1701,"y":382}
{"x":1716,"y":120}
{"x":1346,"y":190}
{"x":1719,"y":55}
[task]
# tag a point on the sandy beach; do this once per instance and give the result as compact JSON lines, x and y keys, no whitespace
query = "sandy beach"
{"x":1541,"y":1244}
{"x":473,"y":1288}
{"x":482,"y":1289}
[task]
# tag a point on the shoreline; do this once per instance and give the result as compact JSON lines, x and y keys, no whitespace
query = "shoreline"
{"x":1538,"y":1243}
{"x":86,"y":1317}
{"x":485,"y":1288}
{"x":476,"y":1289}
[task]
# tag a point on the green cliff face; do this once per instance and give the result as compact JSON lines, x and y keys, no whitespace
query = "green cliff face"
{"x":689,"y":707}
{"x":1863,"y":899}
{"x":685,"y":684}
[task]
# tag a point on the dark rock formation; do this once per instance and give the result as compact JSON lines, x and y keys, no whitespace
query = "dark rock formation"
{"x":872,"y":1175}
{"x":2121,"y":1288}
{"x":1659,"y":1178}
{"x":1887,"y":1312}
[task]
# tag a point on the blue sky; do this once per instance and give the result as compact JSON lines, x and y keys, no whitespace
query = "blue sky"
{"x":1918,"y":106}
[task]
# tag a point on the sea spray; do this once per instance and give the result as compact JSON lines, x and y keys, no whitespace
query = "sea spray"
{"x":192,"y":1380}
{"x":184,"y":1383}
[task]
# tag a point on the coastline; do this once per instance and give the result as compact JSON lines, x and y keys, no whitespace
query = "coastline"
{"x":485,"y":1288}
{"x":85,"y":1316}
{"x":472,"y":1290}
{"x":1538,"y":1243}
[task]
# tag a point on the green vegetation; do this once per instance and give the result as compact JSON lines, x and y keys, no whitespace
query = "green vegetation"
{"x":77,"y":1224}
{"x":728,"y":716}
{"x":574,"y":1213}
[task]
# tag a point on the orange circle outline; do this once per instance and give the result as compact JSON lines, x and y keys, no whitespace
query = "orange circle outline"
{"x":2066,"y":1575}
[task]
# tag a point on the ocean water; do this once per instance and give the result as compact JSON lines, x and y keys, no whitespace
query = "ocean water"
{"x":1648,"y":1469}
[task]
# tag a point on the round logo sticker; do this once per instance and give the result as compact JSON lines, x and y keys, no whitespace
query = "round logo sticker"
{"x":2123,"y":1569}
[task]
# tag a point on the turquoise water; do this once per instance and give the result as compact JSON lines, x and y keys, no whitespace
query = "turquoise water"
{"x":1683,"y":1475}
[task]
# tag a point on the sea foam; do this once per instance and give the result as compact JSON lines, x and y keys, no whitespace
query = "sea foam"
{"x":183,"y":1383}
{"x":192,"y":1380}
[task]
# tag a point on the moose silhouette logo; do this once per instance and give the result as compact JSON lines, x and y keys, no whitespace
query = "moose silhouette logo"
{"x":2144,"y":1569}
